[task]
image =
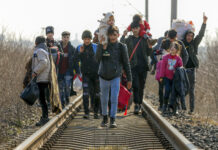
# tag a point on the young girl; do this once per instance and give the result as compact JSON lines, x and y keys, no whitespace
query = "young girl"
{"x":169,"y":63}
{"x":105,"y":23}
{"x":144,"y":29}
{"x":166,"y":49}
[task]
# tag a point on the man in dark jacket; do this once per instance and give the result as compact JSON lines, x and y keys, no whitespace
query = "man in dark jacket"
{"x":112,"y":58}
{"x":139,"y":63}
{"x":86,"y":54}
{"x":67,"y":66}
{"x":191,"y":43}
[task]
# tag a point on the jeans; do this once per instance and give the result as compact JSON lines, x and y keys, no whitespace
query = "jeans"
{"x":168,"y":88}
{"x":138,"y":84}
{"x":106,"y":86}
{"x":192,"y":80}
{"x":91,"y":89}
{"x":65,"y":82}
{"x":42,"y":98}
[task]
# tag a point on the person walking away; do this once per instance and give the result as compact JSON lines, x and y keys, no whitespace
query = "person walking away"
{"x":41,"y":70}
{"x":110,"y":71}
{"x":86,"y":54}
{"x":191,"y":43}
{"x":66,"y":71}
{"x":169,"y":64}
{"x":139,"y":62}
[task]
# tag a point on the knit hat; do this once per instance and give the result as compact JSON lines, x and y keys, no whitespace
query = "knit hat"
{"x":87,"y":34}
{"x":49,"y":29}
{"x":39,"y":40}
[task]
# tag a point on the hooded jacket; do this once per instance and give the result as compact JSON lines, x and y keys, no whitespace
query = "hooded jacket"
{"x":41,"y":63}
{"x":192,"y":47}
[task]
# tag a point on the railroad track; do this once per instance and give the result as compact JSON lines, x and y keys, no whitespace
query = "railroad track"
{"x":69,"y":130}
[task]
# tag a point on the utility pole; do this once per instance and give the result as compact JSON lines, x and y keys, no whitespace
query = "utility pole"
{"x":173,"y":10}
{"x":146,"y":10}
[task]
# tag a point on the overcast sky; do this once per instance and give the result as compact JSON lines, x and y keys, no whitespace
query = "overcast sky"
{"x":28,"y":16}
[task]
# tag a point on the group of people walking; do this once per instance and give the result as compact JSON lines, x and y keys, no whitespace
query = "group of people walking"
{"x":104,"y":60}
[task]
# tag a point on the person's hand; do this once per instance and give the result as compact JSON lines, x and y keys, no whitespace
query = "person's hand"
{"x":129,"y":85}
{"x":34,"y":75}
{"x":205,"y":18}
{"x":125,"y":32}
{"x":81,"y":49}
{"x":161,"y":79}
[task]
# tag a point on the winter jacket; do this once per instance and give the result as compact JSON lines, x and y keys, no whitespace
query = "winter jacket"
{"x":41,"y":63}
{"x":146,"y":50}
{"x":89,"y":64}
{"x":169,"y":65}
{"x":111,"y":66}
{"x":71,"y":63}
{"x":192,"y":47}
{"x":180,"y":83}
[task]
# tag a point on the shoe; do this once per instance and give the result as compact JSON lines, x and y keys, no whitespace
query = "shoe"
{"x":113,"y":123}
{"x":96,"y":116}
{"x":42,"y":121}
{"x":152,"y":41}
{"x":136,"y":110}
{"x":67,"y":101}
{"x":164,"y":109}
{"x":190,"y":112}
{"x":86,"y":116}
{"x":104,"y":121}
{"x":72,"y":93}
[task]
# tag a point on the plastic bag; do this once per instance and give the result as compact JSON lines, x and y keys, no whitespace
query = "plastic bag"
{"x":182,"y":26}
{"x":77,"y":83}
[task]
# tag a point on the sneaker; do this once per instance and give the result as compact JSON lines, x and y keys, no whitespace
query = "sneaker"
{"x":113,"y":123}
{"x":136,"y":110}
{"x":86,"y":116}
{"x":190,"y":112}
{"x":42,"y":121}
{"x":96,"y":116}
{"x":104,"y":121}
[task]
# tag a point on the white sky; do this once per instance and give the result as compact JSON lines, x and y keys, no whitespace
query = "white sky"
{"x":28,"y":16}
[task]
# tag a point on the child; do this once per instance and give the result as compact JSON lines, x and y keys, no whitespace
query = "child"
{"x":169,"y":63}
{"x":144,"y":29}
{"x":105,"y":23}
{"x":165,"y":46}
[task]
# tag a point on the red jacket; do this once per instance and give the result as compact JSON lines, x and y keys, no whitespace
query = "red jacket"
{"x":143,"y":29}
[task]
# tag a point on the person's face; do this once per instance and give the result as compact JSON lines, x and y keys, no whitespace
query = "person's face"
{"x":173,"y":51}
{"x":113,"y":37}
{"x":135,"y":31}
{"x":50,"y":36}
{"x":87,"y":41}
{"x":189,"y":37}
{"x":111,"y":21}
{"x":66,"y":38}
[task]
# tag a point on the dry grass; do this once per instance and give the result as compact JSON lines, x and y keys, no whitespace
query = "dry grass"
{"x":13,"y":111}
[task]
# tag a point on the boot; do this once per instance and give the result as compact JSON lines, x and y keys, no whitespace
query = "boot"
{"x":104,"y":121}
{"x":136,"y":110}
{"x":113,"y":123}
{"x":86,"y":116}
{"x":96,"y":116}
{"x":67,"y":100}
{"x":42,"y":121}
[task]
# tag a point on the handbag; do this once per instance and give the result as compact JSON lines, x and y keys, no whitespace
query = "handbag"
{"x":31,"y":93}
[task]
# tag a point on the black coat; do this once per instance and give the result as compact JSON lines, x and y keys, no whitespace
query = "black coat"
{"x":180,"y":83}
{"x":111,"y":66}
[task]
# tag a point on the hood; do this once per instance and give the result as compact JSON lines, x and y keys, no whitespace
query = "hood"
{"x":42,"y":46}
{"x":187,"y":32}
{"x":107,"y":16}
